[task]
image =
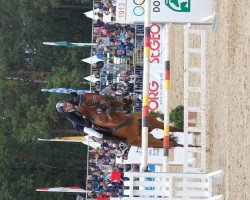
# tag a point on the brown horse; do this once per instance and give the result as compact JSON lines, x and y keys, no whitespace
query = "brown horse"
{"x":102,"y":110}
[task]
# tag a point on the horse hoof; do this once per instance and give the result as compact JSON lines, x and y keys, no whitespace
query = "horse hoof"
{"x":190,"y":145}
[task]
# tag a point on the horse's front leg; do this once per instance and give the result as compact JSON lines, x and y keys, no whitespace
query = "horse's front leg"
{"x":154,"y":123}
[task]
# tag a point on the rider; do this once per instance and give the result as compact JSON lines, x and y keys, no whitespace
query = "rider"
{"x":82,"y":123}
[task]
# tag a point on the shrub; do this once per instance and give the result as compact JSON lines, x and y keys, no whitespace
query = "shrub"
{"x":176,"y":116}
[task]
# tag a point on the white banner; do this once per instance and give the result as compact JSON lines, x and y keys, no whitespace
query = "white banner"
{"x":162,"y":11}
{"x":157,"y":68}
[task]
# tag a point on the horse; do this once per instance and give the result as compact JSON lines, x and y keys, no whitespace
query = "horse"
{"x":104,"y":112}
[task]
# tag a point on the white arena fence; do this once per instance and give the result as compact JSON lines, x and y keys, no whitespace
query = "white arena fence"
{"x":176,"y":186}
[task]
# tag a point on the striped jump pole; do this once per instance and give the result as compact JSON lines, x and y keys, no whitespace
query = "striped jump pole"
{"x":165,"y":167}
{"x":145,"y":105}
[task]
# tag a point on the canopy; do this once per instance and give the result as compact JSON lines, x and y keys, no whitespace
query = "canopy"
{"x":92,"y":78}
{"x":90,"y":14}
{"x":92,"y":59}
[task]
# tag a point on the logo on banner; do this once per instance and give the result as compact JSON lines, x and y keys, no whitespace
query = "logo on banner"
{"x":138,"y":9}
{"x":178,"y":5}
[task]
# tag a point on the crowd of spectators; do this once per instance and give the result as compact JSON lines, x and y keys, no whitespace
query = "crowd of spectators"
{"x":105,"y":7}
{"x":115,"y":40}
{"x":112,"y":41}
{"x":102,"y":164}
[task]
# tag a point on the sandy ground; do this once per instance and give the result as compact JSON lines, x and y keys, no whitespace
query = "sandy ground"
{"x":227,"y":94}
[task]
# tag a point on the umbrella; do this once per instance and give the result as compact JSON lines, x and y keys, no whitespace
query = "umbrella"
{"x":65,"y":90}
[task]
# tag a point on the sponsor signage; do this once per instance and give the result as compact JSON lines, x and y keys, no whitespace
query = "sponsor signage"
{"x":157,"y":68}
{"x":154,"y":155}
{"x":163,"y":11}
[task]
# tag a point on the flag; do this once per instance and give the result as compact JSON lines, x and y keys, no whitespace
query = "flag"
{"x":65,"y":90}
{"x":102,"y":198}
{"x":116,"y":176}
{"x":66,"y":139}
{"x":76,"y":189}
{"x":68,"y":44}
{"x":83,"y":139}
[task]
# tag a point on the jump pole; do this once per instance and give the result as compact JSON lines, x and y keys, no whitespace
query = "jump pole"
{"x":145,"y":103}
{"x":165,"y":167}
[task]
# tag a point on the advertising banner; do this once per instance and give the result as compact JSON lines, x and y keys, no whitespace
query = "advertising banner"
{"x":157,"y":68}
{"x":163,"y":11}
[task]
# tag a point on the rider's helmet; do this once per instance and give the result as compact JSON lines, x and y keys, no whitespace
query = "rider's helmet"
{"x":60,"y":106}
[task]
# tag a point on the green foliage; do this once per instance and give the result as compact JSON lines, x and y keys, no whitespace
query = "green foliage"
{"x":176,"y":116}
{"x":26,"y":113}
{"x":27,"y":166}
{"x":157,"y":115}
{"x":22,"y":33}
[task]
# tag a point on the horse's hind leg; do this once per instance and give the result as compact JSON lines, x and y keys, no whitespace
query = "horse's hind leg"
{"x":154,"y":123}
{"x":153,"y":142}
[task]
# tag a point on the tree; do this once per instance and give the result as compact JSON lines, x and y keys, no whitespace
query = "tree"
{"x":22,"y":34}
{"x":25,"y":112}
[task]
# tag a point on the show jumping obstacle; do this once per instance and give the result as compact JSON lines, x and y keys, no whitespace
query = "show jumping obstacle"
{"x":190,"y":89}
{"x":145,"y":104}
{"x":175,"y":186}
{"x":195,"y":186}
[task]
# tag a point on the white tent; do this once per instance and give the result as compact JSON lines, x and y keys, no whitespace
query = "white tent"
{"x":92,"y":78}
{"x":91,"y":60}
{"x":90,"y":14}
{"x":107,"y":18}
